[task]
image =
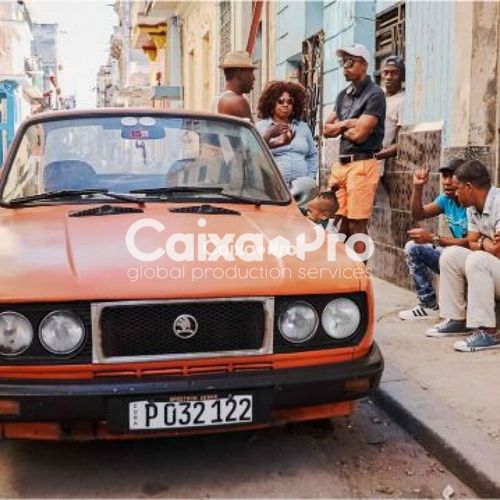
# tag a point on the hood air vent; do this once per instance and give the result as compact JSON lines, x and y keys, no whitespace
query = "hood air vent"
{"x":105,"y":210}
{"x":204,"y":209}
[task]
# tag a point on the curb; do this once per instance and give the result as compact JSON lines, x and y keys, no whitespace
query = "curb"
{"x":463,"y":448}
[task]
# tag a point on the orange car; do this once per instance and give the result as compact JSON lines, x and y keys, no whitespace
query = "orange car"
{"x":158,"y":279}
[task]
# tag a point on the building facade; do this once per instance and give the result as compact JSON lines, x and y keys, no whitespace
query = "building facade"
{"x":186,"y":41}
{"x":20,"y":82}
{"x":124,"y":80}
{"x":451,"y":110}
{"x":451,"y":51}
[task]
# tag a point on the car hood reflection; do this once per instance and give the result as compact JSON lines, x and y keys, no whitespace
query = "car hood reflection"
{"x":47,"y":255}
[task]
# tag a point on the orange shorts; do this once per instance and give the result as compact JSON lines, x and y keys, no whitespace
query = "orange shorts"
{"x":357,"y":185}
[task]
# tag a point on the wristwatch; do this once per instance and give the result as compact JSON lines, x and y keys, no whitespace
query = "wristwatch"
{"x":435,"y":240}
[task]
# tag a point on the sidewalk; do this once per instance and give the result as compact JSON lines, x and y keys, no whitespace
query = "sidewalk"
{"x":448,"y":400}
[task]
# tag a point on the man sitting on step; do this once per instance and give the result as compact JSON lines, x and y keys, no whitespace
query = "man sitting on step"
{"x":424,"y":248}
{"x":470,"y":277}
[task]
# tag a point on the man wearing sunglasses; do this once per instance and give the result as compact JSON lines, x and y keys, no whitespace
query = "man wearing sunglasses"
{"x":358,"y":119}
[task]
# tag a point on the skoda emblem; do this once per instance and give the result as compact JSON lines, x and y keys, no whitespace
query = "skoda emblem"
{"x":185,"y":326}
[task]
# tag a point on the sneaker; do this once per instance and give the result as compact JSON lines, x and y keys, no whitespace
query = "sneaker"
{"x":478,"y":341}
{"x":420,"y":312}
{"x":447,"y":328}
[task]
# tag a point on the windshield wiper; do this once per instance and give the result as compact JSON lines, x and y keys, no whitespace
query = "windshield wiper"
{"x":70,"y":193}
{"x":198,"y":189}
{"x":242,"y":199}
{"x":178,"y":189}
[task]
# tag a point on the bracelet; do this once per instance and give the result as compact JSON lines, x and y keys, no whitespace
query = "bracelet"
{"x":435,"y":240}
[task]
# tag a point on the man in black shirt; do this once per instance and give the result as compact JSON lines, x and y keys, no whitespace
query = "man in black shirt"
{"x":358,"y":119}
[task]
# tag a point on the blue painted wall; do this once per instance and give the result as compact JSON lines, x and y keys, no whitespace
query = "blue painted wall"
{"x":291,"y":28}
{"x":382,"y":5}
{"x":345,"y":22}
{"x":430,"y":62}
{"x":314,"y":17}
{"x":429,"y":48}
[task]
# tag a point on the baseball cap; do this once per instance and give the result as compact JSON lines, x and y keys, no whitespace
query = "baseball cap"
{"x":452,"y":165}
{"x":397,"y":61}
{"x":237,"y":59}
{"x":304,"y":189}
{"x":357,"y":50}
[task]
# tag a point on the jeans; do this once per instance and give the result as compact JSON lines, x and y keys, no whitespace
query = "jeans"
{"x":423,"y":260}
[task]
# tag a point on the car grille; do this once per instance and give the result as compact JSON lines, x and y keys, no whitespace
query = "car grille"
{"x":131,"y":330}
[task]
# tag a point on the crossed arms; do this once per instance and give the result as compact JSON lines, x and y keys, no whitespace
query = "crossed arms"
{"x":356,"y":130}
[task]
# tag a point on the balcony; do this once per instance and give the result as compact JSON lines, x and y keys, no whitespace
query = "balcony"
{"x":150,"y":35}
{"x":162,"y":7}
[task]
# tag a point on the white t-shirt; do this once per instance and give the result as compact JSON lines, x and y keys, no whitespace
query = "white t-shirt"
{"x":394,"y":109}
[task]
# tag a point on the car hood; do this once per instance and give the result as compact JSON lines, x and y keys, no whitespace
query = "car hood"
{"x":45,"y":255}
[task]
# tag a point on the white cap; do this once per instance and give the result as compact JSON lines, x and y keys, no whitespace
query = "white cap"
{"x":357,"y":50}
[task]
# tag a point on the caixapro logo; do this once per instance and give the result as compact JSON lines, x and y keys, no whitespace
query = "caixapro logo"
{"x":247,"y":247}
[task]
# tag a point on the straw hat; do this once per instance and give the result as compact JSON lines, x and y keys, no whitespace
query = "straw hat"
{"x":237,"y":59}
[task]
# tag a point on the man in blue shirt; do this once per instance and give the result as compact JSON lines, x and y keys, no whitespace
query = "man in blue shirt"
{"x":424,"y":248}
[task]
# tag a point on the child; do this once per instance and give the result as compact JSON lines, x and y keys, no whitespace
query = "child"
{"x":322,"y":209}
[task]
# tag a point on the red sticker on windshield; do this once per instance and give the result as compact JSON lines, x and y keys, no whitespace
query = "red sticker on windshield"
{"x":139,"y":134}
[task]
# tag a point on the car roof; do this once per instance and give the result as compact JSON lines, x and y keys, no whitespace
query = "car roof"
{"x":103,"y":112}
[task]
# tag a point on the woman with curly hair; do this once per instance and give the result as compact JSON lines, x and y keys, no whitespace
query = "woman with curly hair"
{"x":281,"y":107}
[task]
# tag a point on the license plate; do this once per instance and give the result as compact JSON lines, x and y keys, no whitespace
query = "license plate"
{"x":231,"y":410}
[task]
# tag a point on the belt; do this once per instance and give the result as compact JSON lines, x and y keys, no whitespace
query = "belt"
{"x":355,"y":157}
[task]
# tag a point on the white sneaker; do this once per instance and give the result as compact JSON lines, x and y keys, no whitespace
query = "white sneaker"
{"x":420,"y":312}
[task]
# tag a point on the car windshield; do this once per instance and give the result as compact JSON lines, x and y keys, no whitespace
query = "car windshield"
{"x":148,"y":155}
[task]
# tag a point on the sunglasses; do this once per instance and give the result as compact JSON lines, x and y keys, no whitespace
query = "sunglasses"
{"x":348,"y":62}
{"x":282,"y":100}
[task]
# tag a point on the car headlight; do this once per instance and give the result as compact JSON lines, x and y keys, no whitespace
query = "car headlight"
{"x":298,"y":322}
{"x":16,"y":333}
{"x":61,"y":332}
{"x":340,"y":318}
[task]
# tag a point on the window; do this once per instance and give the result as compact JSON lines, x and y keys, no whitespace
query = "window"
{"x":257,"y":60}
{"x":191,"y":80}
{"x":389,"y":34}
{"x":225,"y":176}
{"x":125,"y":153}
{"x":206,"y":65}
{"x":311,"y":76}
{"x":225,"y":33}
{"x":202,"y":173}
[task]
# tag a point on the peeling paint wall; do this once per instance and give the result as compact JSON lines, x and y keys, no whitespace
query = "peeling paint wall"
{"x":452,"y":62}
{"x":458,"y":133}
{"x":484,"y":74}
{"x":430,"y":60}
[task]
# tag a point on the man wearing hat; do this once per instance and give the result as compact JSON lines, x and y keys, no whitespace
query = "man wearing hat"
{"x":358,"y":119}
{"x":424,"y":248}
{"x":393,"y":76}
{"x":239,"y":73}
